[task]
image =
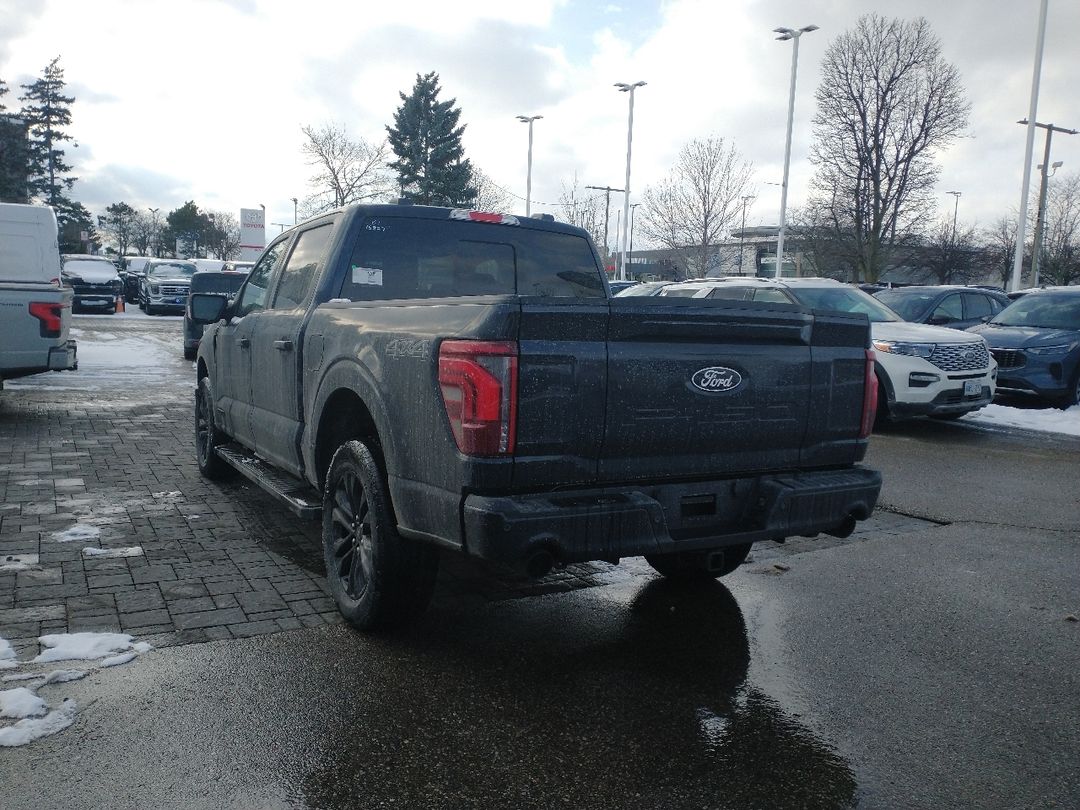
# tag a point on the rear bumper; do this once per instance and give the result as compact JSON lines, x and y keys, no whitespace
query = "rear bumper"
{"x":609,"y":523}
{"x":64,"y":358}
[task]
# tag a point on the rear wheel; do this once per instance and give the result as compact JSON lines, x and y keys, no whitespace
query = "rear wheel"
{"x":208,"y":436}
{"x":378,"y":578}
{"x":1073,"y":396}
{"x":695,"y":565}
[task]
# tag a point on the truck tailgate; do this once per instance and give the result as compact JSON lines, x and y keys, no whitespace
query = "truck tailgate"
{"x":703,"y":387}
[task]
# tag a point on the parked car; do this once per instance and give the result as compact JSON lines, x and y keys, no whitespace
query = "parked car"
{"x":165,"y":286}
{"x":35,"y":310}
{"x":94,"y":281}
{"x":618,"y":286}
{"x":426,"y":381}
{"x":220,"y":282}
{"x":955,"y":306}
{"x":645,"y":288}
{"x":1036,"y":342}
{"x":134,"y":268}
{"x":923,"y":370}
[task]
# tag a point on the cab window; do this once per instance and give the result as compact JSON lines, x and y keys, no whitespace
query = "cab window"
{"x":253,"y":295}
{"x":302,"y":269}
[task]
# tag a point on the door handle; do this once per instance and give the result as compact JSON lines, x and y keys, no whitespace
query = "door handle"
{"x":283,"y":345}
{"x":244,"y":342}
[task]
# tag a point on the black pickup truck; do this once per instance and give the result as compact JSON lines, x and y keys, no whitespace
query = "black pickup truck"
{"x":425,"y":379}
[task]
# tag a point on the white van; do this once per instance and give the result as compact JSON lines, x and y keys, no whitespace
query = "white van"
{"x":29,"y":252}
{"x":35,"y":310}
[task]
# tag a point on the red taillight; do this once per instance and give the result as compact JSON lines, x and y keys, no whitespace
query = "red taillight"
{"x":478,"y":380}
{"x":50,"y":317}
{"x":870,"y":397}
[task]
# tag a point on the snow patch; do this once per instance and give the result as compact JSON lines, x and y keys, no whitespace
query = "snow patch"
{"x":21,"y":702}
{"x":7,"y":653}
{"x":19,"y":562}
{"x":65,"y":675}
{"x":168,"y":497}
{"x":1049,"y":420}
{"x":34,"y":728}
{"x":81,"y":646}
{"x":80,"y":531}
{"x":117,"y":660}
{"x":133,"y":551}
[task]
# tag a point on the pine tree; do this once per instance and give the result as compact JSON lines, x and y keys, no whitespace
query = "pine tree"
{"x":13,"y":155}
{"x":426,"y":138}
{"x":46,"y":112}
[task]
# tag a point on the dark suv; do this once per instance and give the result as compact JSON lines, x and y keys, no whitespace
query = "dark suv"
{"x":214,"y":282}
{"x":954,"y":306}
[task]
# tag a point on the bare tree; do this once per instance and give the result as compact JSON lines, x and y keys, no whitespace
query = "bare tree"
{"x":1000,"y":241}
{"x":951,"y":254}
{"x":144,"y":233}
{"x":887,"y":103}
{"x":347,"y":170}
{"x":1060,"y":259}
{"x":584,"y":208}
{"x":695,"y":206}
{"x":223,"y":236}
{"x":489,"y":195}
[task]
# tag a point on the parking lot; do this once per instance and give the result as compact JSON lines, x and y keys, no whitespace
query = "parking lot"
{"x":929,"y":659}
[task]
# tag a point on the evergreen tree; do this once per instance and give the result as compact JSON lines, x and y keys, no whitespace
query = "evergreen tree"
{"x":119,"y":223}
{"x":188,"y":225}
{"x":73,"y":220}
{"x":13,"y":155}
{"x":47,"y":112}
{"x":426,"y":138}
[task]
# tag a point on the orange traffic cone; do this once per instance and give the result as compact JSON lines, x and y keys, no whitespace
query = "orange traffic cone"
{"x":119,"y":303}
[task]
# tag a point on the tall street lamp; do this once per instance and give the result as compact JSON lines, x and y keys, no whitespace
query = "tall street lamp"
{"x":293,"y":210}
{"x":627,"y":88}
{"x":1040,"y":215}
{"x":742,"y":234}
{"x":633,"y":210}
{"x":786,"y":34}
{"x":956,"y":208}
{"x":528,"y":119}
{"x":157,"y":240}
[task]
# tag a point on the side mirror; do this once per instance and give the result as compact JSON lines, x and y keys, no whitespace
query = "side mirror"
{"x":207,"y":308}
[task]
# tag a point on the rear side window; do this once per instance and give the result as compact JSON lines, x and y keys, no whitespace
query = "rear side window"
{"x":729,"y":293}
{"x":405,"y":257}
{"x":977,"y":306}
{"x":302,"y":269}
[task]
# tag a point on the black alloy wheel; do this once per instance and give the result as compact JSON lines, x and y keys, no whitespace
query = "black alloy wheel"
{"x":208,"y":436}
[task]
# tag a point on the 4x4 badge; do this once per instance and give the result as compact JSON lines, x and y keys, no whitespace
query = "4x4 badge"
{"x":716,"y":379}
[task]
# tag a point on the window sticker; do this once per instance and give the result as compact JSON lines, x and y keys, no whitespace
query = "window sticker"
{"x":367,"y":275}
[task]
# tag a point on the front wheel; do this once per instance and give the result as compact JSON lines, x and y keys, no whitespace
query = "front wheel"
{"x":1073,"y":396}
{"x":698,"y":565}
{"x":378,"y":578}
{"x":208,"y":436}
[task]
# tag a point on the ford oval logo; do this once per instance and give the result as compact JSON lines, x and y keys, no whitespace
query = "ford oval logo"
{"x":716,"y":379}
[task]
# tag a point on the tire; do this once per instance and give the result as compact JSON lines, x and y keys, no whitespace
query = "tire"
{"x":208,"y":436}
{"x":378,"y":578}
{"x":189,"y":353}
{"x":1073,"y":397}
{"x":691,"y":565}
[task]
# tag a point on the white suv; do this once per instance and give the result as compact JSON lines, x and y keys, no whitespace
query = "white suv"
{"x":922,"y":370}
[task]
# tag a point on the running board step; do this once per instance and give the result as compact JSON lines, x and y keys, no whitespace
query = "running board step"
{"x":300,"y":498}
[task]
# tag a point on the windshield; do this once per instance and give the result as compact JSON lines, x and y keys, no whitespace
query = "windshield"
{"x":173,"y":270}
{"x":1045,"y":310}
{"x":843,"y":299}
{"x":910,"y":305}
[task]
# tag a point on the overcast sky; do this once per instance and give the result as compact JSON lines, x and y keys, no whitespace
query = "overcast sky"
{"x":204,"y":100}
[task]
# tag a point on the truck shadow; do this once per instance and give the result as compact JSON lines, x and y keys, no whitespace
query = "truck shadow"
{"x":576,"y":703}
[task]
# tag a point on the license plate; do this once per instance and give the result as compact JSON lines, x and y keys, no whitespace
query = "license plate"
{"x":972,"y":388}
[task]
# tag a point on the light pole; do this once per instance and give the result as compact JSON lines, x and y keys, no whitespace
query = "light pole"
{"x":528,"y":119}
{"x":632,"y":211}
{"x":156,"y":250}
{"x":742,"y":234}
{"x":956,"y":208}
{"x":607,"y":211}
{"x":281,"y":225}
{"x":293,"y":210}
{"x":627,"y":88}
{"x":1040,"y":215}
{"x":786,"y":34}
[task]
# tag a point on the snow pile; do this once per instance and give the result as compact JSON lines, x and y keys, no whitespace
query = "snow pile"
{"x":80,"y":531}
{"x":22,"y":703}
{"x":133,"y":551}
{"x":1049,"y":420}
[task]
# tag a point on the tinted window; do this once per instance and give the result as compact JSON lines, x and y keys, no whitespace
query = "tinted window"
{"x":223,"y":283}
{"x":729,"y":293}
{"x":302,"y":269}
{"x":976,"y":306}
{"x":254,"y":293}
{"x":403,"y":257}
{"x":772,"y":296}
{"x":680,"y":292}
{"x":947,"y":310}
{"x":910,"y":305}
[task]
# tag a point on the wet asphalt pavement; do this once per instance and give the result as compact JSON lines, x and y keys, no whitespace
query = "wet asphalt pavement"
{"x":931,"y":668}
